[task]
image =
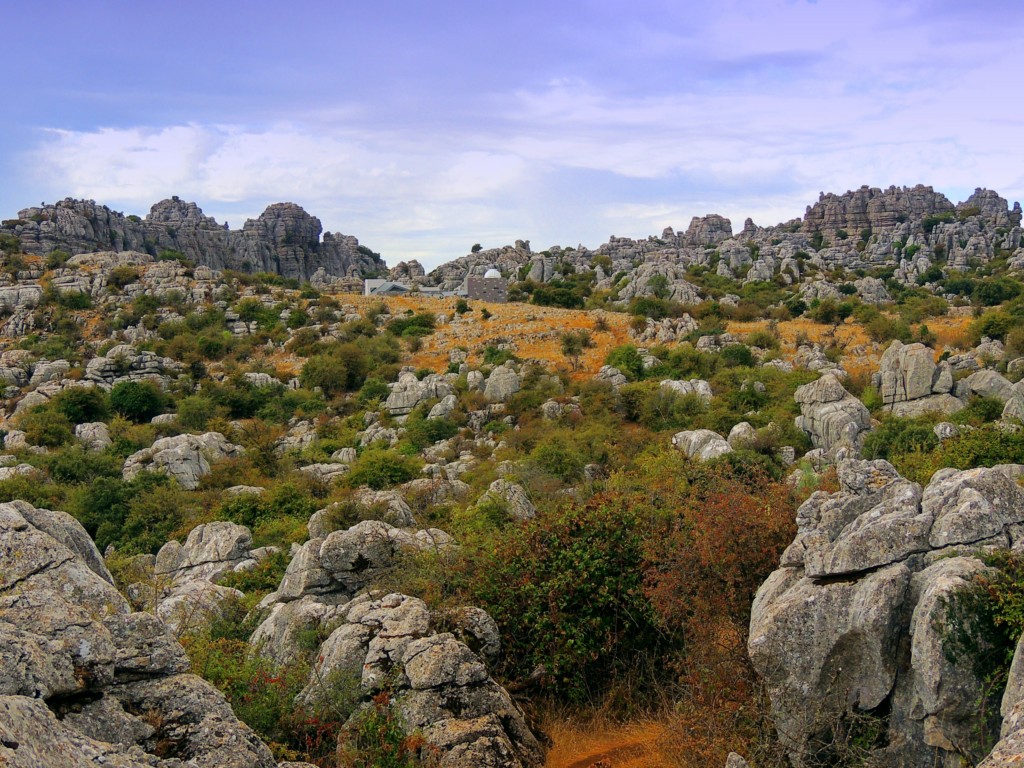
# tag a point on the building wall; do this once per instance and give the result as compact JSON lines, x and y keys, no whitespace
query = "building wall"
{"x":493,"y":289}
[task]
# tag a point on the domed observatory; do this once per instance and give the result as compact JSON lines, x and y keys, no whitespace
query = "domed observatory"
{"x":491,"y":287}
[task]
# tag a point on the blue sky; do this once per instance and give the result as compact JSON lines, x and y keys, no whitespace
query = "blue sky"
{"x":423,"y":128}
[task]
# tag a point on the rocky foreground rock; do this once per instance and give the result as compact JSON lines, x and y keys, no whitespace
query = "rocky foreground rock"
{"x":84,"y":680}
{"x":852,"y":624}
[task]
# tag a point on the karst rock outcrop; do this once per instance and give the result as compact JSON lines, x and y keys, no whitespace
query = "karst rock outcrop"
{"x":284,"y":239}
{"x":84,"y":681}
{"x":854,"y":623}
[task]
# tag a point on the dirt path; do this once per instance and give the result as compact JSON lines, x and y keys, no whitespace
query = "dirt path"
{"x":633,"y":746}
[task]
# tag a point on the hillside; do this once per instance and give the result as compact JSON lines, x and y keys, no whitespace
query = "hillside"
{"x":688,"y":498}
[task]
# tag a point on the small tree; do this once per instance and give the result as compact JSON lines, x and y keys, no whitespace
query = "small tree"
{"x":573,"y":344}
{"x":476,"y":248}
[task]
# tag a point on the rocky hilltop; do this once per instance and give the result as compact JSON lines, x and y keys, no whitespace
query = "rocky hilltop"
{"x":910,"y":229}
{"x":283,"y":240}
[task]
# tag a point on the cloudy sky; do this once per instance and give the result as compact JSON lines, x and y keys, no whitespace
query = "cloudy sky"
{"x":425,"y":127}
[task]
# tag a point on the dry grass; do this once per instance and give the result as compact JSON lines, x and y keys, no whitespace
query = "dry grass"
{"x":533,"y":332}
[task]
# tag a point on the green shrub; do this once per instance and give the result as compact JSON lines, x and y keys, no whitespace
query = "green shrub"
{"x":566,"y":589}
{"x":195,"y":412}
{"x":628,"y":360}
{"x":377,"y":737}
{"x":738,"y":355}
{"x":415,"y":325}
{"x":382,"y":468}
{"x":77,"y":464}
{"x":327,"y":372}
{"x":74,"y":300}
{"x":896,"y":436}
{"x":559,"y":456}
{"x":82,"y":404}
{"x":137,"y":400}
{"x":47,"y":427}
{"x":422,"y":432}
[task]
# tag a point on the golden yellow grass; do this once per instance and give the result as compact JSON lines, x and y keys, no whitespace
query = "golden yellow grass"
{"x":533,"y":332}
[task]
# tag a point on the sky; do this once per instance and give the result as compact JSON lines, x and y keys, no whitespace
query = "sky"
{"x":425,"y":127}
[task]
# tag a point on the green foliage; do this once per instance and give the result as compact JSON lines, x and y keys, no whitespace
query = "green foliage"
{"x":495,"y":356}
{"x":628,"y":360}
{"x":138,"y":515}
{"x":557,"y":455}
{"x":738,"y":355}
{"x":566,"y":589}
{"x":74,"y":300}
{"x":983,"y":623}
{"x":47,"y":427}
{"x":377,"y":737}
{"x":573,"y":343}
{"x":76,"y":464}
{"x":195,"y":412}
{"x":82,"y":404}
{"x":382,"y":468}
{"x":896,"y":436}
{"x":422,"y":432}
{"x":137,"y":400}
{"x":328,"y":372}
{"x":421,"y":324}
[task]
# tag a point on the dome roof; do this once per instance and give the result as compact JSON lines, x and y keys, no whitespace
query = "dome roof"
{"x":492,"y":272}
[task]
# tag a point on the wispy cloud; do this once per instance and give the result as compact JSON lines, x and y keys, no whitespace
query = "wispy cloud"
{"x":744,"y":108}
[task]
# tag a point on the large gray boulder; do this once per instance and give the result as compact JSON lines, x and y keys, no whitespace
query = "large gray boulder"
{"x":911,"y":383}
{"x":701,"y":444}
{"x":440,"y":687}
{"x":186,"y":458}
{"x":409,"y":391}
{"x":502,"y":384}
{"x":210,"y":551}
{"x":67,"y":635}
{"x":854,"y":620}
{"x":512,"y":497}
{"x":830,"y":415}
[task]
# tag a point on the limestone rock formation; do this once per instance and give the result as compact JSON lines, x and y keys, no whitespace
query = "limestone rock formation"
{"x":284,"y":239}
{"x":701,"y":444}
{"x":186,"y":458}
{"x":830,"y":415}
{"x":851,"y":622}
{"x":439,"y":686}
{"x":210,"y":551}
{"x":71,"y":646}
{"x":873,"y":208}
{"x":911,"y":383}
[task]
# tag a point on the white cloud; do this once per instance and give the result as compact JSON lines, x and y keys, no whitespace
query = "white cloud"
{"x":772,"y":102}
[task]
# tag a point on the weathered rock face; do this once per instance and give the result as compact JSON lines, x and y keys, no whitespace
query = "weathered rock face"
{"x":186,"y":458}
{"x":873,"y":208}
{"x":911,"y":383}
{"x":830,"y":415}
{"x":438,"y":684}
{"x":701,"y":444}
{"x":70,"y":646}
{"x":409,"y":391}
{"x":852,"y":622}
{"x":210,"y":551}
{"x":284,"y":239}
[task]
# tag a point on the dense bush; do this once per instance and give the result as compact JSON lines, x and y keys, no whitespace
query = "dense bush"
{"x":628,"y":360}
{"x":382,"y":468}
{"x":46,"y":426}
{"x":82,"y":404}
{"x":137,"y":400}
{"x":566,"y":589}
